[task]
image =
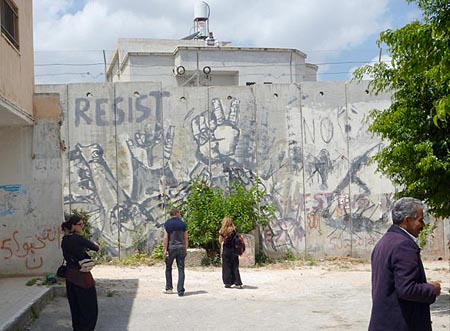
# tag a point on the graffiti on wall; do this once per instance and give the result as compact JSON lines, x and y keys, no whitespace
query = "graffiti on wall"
{"x":103,"y":112}
{"x":118,"y":213}
{"x":318,"y":148}
{"x":13,"y":199}
{"x":29,"y":248}
{"x":351,"y":216}
{"x":125,"y":185}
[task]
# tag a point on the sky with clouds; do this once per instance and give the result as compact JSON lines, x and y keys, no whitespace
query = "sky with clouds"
{"x":72,"y":36}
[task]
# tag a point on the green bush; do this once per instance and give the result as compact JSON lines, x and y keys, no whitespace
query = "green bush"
{"x":206,"y":206}
{"x":243,"y":205}
{"x":203,"y":211}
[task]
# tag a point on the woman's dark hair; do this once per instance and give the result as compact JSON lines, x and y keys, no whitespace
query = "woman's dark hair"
{"x":71,"y":220}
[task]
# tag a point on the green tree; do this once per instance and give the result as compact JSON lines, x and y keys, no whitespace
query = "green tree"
{"x":202,"y":212}
{"x":416,"y":125}
{"x":246,"y":208}
{"x":205,"y":207}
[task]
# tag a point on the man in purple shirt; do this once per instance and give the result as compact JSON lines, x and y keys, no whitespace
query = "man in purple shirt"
{"x":401,"y":296}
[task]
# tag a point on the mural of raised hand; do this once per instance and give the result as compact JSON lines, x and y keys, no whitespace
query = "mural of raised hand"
{"x":148,"y":163}
{"x":217,"y":134}
{"x":143,"y":146}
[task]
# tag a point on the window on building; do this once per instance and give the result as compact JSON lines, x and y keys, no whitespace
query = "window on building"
{"x":10,"y":21}
{"x":250,"y":83}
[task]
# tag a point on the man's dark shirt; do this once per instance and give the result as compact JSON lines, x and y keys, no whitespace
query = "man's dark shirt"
{"x":175,"y":228}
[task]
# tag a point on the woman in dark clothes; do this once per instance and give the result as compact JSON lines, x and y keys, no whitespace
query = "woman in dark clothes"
{"x":230,"y":260}
{"x":80,"y":285}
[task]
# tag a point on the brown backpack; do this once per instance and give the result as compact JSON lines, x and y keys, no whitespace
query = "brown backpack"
{"x":238,"y":244}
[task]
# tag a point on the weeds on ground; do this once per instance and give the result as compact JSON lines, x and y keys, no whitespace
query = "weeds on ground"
{"x":136,"y":260}
{"x":344,"y":266}
{"x":211,"y":260}
{"x":290,"y":259}
{"x":311,"y":262}
{"x":141,"y":258}
{"x":44,"y":281}
{"x":262,"y":259}
{"x":290,"y":256}
{"x":33,"y":281}
{"x":34,"y":313}
{"x":158,"y":252}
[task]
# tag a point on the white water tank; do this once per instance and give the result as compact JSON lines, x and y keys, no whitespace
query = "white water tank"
{"x":201,"y":16}
{"x":201,"y":11}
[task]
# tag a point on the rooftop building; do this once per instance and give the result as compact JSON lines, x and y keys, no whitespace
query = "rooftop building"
{"x":206,"y":62}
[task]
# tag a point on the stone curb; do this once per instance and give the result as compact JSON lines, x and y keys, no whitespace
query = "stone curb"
{"x":27,"y":314}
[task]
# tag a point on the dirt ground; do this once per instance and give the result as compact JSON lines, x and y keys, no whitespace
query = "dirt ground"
{"x":299,"y":295}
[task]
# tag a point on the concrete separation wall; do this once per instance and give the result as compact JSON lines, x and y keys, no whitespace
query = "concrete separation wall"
{"x":132,"y":147}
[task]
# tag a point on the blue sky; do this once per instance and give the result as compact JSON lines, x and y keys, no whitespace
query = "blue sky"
{"x":71,"y":35}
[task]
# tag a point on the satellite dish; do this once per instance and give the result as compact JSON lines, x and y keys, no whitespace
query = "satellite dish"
{"x":191,"y":36}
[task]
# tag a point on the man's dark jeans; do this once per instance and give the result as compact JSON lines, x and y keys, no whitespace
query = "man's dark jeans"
{"x":178,"y":254}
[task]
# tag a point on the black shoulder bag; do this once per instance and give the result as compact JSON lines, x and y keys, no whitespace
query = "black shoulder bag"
{"x":62,"y":269}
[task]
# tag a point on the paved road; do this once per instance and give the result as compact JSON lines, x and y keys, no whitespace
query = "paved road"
{"x":305,"y":298}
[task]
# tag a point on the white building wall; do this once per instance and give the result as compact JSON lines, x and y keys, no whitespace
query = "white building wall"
{"x":310,"y":73}
{"x":30,"y":199}
{"x":158,"y":69}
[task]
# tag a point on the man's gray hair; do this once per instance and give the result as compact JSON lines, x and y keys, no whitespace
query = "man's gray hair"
{"x":406,"y":207}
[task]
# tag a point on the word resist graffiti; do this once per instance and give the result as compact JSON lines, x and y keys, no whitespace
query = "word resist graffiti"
{"x":102,"y":112}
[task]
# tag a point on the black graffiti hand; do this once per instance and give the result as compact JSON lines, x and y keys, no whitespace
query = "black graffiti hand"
{"x":148,"y":139}
{"x":218,"y":137}
{"x":143,"y":147}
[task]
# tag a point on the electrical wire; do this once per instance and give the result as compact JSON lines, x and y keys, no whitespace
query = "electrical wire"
{"x":39,"y":66}
{"x":216,"y":66}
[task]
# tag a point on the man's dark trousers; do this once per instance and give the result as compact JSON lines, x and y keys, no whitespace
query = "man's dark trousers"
{"x":178,"y":254}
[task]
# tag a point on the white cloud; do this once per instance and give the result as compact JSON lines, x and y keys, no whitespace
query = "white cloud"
{"x":309,"y":26}
{"x":49,"y":10}
{"x":289,"y":23}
